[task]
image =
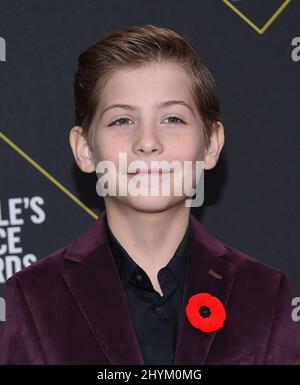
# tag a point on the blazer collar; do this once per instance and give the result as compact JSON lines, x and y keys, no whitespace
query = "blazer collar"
{"x":94,"y":281}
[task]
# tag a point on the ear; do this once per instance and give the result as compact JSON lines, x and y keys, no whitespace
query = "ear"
{"x":81,"y":150}
{"x":217,"y":140}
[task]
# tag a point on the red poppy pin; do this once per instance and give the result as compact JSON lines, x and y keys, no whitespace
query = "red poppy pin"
{"x":205,"y":312}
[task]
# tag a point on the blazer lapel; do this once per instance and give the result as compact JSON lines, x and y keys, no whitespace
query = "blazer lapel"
{"x":94,"y":282}
{"x":207,"y":272}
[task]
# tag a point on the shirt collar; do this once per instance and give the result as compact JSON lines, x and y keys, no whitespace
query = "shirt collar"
{"x":126,"y":265}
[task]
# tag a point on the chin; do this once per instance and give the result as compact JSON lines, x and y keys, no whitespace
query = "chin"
{"x":153,"y":204}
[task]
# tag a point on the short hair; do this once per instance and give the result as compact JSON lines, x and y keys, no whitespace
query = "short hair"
{"x":134,"y":47}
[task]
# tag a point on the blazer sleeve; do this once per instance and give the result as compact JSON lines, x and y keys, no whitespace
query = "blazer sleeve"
{"x":20,"y":343}
{"x":283,"y":346}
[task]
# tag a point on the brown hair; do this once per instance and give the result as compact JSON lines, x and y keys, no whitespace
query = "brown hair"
{"x":133,"y":47}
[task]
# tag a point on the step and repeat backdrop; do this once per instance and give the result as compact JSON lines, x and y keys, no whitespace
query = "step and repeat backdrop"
{"x":252,"y":47}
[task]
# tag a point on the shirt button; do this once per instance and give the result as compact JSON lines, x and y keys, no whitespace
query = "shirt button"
{"x":139,"y":278}
{"x":159,"y":309}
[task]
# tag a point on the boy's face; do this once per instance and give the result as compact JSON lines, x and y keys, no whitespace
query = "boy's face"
{"x":149,"y":131}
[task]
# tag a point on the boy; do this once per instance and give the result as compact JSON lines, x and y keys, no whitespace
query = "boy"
{"x":146,"y":283}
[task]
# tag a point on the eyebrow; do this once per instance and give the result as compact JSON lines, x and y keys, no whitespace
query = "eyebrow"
{"x":159,"y":105}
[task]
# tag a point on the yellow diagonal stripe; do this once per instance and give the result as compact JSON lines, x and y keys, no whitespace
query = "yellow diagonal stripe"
{"x":253,"y":25}
{"x":241,"y":15}
{"x":47,"y":175}
{"x":276,"y":14}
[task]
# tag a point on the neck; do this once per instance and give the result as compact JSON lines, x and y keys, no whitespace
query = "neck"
{"x":150,"y":238}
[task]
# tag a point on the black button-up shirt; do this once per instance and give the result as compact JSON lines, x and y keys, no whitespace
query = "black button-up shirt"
{"x":156,"y":318}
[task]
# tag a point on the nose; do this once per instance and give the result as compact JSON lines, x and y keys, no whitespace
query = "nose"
{"x":147,"y":141}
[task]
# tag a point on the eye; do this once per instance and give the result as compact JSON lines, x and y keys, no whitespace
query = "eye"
{"x":119,"y":120}
{"x":175,"y":117}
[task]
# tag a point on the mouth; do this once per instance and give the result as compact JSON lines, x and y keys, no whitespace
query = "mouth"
{"x":158,"y":171}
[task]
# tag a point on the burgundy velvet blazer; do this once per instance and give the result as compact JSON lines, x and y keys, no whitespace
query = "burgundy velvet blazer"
{"x":70,"y":308}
